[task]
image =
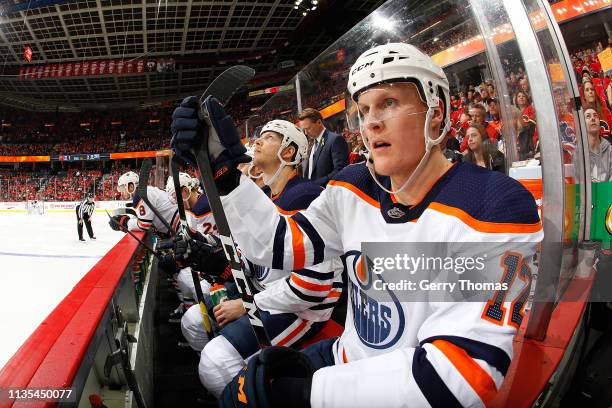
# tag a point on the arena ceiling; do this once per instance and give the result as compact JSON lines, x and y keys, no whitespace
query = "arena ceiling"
{"x":202,"y":37}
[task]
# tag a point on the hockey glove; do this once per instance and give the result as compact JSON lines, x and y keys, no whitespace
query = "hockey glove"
{"x":217,"y":129}
{"x":119,"y":222}
{"x":276,"y":377}
{"x":167,"y":264}
{"x":208,"y":257}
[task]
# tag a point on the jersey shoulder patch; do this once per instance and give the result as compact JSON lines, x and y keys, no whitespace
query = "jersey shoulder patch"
{"x":488,"y":196}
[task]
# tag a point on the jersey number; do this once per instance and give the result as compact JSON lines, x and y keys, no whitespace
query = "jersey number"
{"x":209,"y":227}
{"x":494,"y":311}
{"x":142,"y":211}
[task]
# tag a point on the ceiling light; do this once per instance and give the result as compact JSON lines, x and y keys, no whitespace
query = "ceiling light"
{"x":304,"y":13}
{"x":295,"y":7}
{"x":315,"y":2}
{"x":314,"y":8}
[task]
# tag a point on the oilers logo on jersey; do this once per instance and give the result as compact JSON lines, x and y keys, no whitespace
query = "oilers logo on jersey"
{"x":379,"y":325}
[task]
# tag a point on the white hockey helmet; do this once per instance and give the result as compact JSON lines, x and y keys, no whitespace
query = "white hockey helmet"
{"x":125,"y":179}
{"x":290,"y":134}
{"x":185,"y":180}
{"x":396,"y":62}
{"x":400,"y":62}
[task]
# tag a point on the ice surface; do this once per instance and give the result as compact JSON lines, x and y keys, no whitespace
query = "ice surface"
{"x":41,"y":260}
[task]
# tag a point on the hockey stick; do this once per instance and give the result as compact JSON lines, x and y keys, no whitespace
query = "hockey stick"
{"x":143,"y":183}
{"x":229,"y":81}
{"x":132,"y":235}
{"x":174,"y":166}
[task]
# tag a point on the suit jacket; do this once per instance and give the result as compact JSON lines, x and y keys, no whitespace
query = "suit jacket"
{"x":330,"y":157}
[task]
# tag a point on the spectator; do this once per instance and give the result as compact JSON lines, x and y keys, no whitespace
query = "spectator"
{"x":600,"y":150}
{"x":524,"y":84}
{"x":592,"y":100}
{"x":480,"y":150}
{"x":478,"y":114}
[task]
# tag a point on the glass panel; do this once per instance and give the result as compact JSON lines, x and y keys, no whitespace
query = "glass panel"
{"x":569,"y":127}
{"x":477,"y":47}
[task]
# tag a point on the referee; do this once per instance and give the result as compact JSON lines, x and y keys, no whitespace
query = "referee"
{"x":84,"y":211}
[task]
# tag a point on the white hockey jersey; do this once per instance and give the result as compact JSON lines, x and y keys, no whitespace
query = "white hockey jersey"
{"x":200,"y":217}
{"x":146,"y":218}
{"x":311,"y":293}
{"x":402,"y":354}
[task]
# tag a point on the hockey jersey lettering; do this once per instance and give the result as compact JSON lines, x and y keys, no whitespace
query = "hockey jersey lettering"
{"x":409,"y":354}
{"x":146,"y":218}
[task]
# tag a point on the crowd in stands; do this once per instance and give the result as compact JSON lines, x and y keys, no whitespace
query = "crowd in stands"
{"x":44,"y":133}
{"x":475,"y":135}
{"x":20,"y":186}
{"x":65,"y":185}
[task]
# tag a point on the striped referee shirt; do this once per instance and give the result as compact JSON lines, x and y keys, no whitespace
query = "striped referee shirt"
{"x":85,"y":208}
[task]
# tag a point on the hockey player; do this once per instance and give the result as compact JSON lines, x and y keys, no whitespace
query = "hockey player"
{"x":294,"y":305}
{"x":84,"y":211}
{"x":145,"y":217}
{"x":429,"y":354}
{"x":199,"y":220}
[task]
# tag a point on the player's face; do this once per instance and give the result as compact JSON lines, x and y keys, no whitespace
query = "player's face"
{"x":392,"y":119}
{"x":592,"y":121}
{"x":266,"y":150}
{"x":123,"y":190}
{"x":474,"y":139}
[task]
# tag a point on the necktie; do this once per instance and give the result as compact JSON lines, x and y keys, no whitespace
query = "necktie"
{"x":310,"y":161}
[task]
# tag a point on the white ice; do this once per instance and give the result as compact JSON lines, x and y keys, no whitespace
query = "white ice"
{"x":41,"y":260}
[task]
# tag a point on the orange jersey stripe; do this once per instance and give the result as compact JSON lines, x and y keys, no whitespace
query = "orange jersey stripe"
{"x":334,"y":294}
{"x":474,"y":374}
{"x":344,"y":359}
{"x":485,"y":226}
{"x":297,"y":238}
{"x":309,"y":285}
{"x":285,"y":212}
{"x":293,"y":333}
{"x":356,"y":191}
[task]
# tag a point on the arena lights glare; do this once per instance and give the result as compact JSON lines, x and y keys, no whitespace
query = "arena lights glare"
{"x":305,"y":7}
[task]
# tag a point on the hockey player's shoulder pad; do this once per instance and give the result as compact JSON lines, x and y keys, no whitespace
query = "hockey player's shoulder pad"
{"x":487,"y":196}
{"x":356,"y":177}
{"x":298,"y":194}
{"x":201,"y":207}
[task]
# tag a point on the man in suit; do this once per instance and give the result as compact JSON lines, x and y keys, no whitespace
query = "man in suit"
{"x":329,"y":152}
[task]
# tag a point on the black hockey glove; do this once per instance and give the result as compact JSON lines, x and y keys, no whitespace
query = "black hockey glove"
{"x":217,"y":129}
{"x":276,"y":377}
{"x":119,"y":222}
{"x":167,"y":264}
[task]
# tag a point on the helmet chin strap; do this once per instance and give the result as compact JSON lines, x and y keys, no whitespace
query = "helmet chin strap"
{"x":429,"y":144}
{"x":271,"y":180}
{"x":283,"y":164}
{"x":252,"y":176}
{"x":186,"y":200}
